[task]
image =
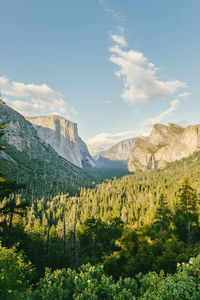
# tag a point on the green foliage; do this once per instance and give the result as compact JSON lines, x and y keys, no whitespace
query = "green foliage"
{"x":93,"y":283}
{"x":8,"y":187}
{"x":138,"y":228}
{"x":89,"y":283}
{"x":15,"y":273}
{"x":2,"y":127}
{"x":183,"y":285}
{"x":163,"y":214}
{"x":12,"y":206}
{"x":45,"y":176}
{"x":186,"y":218}
{"x":38,"y":165}
{"x":145,"y":222}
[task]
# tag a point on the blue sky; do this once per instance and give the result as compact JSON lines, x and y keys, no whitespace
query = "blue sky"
{"x":115,"y":66}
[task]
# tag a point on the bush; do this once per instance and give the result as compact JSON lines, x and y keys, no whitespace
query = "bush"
{"x":15,"y":273}
{"x":92,"y":283}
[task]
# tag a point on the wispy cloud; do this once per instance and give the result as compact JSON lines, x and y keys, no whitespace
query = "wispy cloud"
{"x":184,"y":95}
{"x":141,"y":83}
{"x":31,"y":99}
{"x":148,"y":124}
{"x":119,"y":39}
{"x":107,"y":9}
{"x":103,"y":141}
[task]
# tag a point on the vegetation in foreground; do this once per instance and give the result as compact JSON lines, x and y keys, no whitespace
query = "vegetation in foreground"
{"x":91,"y":282}
{"x":94,"y":246}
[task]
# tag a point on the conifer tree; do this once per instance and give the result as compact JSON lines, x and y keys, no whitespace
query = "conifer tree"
{"x":186,"y":211}
{"x":163,"y":213}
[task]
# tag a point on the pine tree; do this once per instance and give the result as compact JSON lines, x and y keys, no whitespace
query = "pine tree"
{"x":186,"y":211}
{"x":11,"y":206}
{"x":163,"y":214}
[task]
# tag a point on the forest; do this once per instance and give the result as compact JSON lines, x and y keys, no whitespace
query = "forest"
{"x":134,"y":237}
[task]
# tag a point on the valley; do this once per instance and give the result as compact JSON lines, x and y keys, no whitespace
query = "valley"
{"x":99,"y":150}
{"x":80,"y":214}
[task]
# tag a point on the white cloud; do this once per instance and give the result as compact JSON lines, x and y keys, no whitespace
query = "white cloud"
{"x":104,"y":141}
{"x":148,"y":124}
{"x":119,"y":39}
{"x":141,"y":83}
{"x":37,"y":99}
{"x":184,"y":95}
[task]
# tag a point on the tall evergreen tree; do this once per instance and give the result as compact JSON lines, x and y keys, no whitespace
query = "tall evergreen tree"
{"x":186,"y":217}
{"x":163,"y":214}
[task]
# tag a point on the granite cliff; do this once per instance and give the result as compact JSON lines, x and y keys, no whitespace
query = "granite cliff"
{"x":62,"y":136}
{"x":165,"y":144}
{"x":29,"y":159}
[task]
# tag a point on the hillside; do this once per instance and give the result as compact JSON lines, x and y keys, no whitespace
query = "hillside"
{"x":30,"y":160}
{"x":125,"y":196}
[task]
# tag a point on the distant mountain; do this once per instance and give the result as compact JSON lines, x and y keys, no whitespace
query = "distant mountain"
{"x":116,"y":157}
{"x":104,"y":141}
{"x":29,"y":159}
{"x":120,"y":151}
{"x":165,"y":144}
{"x":62,"y":136}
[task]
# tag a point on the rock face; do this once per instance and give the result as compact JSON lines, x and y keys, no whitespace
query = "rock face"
{"x":116,"y":157}
{"x":120,"y":151}
{"x":29,"y":155}
{"x":62,"y":136}
{"x":165,"y":144}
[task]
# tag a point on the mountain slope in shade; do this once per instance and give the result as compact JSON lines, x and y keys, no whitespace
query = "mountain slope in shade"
{"x":29,"y":159}
{"x":62,"y":136}
{"x":165,"y":144}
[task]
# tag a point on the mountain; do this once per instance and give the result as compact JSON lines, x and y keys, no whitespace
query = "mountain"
{"x":62,"y":136}
{"x":29,"y":159}
{"x":104,"y":141}
{"x":120,"y":151}
{"x":165,"y":144}
{"x":116,"y":157}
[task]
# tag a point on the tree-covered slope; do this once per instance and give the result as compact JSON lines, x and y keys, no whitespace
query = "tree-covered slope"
{"x":30,"y":160}
{"x":133,"y":198}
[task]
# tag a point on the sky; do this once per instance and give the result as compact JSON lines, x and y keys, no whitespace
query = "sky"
{"x":116,"y":67}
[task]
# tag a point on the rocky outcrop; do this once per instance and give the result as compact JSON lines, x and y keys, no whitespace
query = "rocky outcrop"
{"x":62,"y":136}
{"x":165,"y":144}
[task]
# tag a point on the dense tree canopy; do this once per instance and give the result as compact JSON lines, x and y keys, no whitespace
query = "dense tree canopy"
{"x":140,"y":223}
